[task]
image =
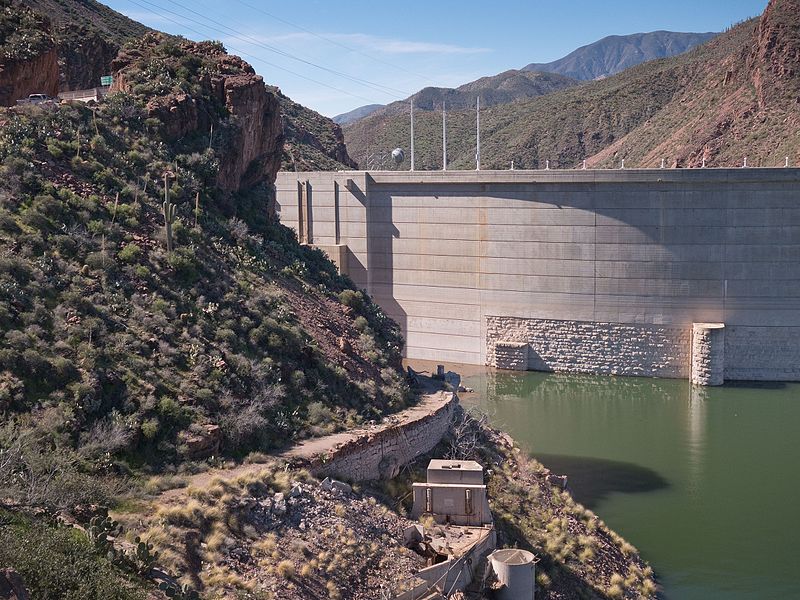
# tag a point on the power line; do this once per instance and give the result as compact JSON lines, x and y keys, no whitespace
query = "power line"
{"x":335,"y":42}
{"x":259,"y":58}
{"x":256,"y":42}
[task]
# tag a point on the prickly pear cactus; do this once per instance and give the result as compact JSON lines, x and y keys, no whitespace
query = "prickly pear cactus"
{"x":184,"y":592}
{"x":144,"y":559}
{"x":99,"y":530}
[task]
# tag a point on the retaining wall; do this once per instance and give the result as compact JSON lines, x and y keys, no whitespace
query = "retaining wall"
{"x":585,"y":347}
{"x":381,"y":455}
{"x":625,"y":261}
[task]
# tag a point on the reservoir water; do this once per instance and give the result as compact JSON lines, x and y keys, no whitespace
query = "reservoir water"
{"x":705,"y":482}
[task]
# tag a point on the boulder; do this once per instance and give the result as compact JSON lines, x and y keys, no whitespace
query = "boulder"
{"x":201,"y":443}
{"x":11,"y":586}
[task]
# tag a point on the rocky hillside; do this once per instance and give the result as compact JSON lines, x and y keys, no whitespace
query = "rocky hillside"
{"x":365,"y":136}
{"x":732,"y":97}
{"x":128,"y":345}
{"x":75,"y":42}
{"x":88,"y":36}
{"x":615,"y":53}
{"x":312,"y":142}
{"x":28,"y":55}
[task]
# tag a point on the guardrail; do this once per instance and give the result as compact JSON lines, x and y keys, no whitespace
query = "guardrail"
{"x":95,"y":94}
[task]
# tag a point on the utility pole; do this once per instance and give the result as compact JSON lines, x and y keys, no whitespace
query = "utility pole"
{"x":478,"y":135}
{"x":444,"y":136}
{"x":412,"y":134}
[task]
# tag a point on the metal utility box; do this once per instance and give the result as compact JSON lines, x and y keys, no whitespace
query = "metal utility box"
{"x":466,"y":472}
{"x":454,"y":493}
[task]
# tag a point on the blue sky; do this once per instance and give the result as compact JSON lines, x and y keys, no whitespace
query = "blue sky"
{"x":359,"y":52}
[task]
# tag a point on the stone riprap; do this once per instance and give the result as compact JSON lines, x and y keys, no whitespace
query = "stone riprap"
{"x":626,"y":261}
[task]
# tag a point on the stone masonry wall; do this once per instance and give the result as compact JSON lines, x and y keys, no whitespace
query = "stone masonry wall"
{"x":589,"y":347}
{"x":512,"y":356}
{"x":762,"y":353}
{"x":708,"y":353}
{"x":382,"y":454}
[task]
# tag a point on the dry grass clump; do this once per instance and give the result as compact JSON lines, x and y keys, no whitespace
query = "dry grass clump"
{"x":193,"y":514}
{"x":161,"y":483}
{"x":285,"y":569}
{"x":333,"y":591}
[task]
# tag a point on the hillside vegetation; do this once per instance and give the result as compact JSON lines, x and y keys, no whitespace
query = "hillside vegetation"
{"x":735,"y":96}
{"x":117,"y":354}
{"x":311,"y":142}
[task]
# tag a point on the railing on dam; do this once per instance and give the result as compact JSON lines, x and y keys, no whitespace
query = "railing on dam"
{"x":586,"y":270}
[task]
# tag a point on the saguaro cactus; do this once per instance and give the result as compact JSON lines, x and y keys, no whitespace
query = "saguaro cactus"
{"x":169,"y":212}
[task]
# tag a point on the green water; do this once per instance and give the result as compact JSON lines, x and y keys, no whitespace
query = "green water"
{"x":703,"y":481}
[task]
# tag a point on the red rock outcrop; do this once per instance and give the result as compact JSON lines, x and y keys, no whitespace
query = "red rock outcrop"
{"x":257,"y":155}
{"x":20,"y":78}
{"x":775,"y":58}
{"x":252,"y":152}
{"x":83,"y":62}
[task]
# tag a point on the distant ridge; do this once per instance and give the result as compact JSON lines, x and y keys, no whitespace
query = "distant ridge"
{"x":736,"y":96}
{"x":615,"y":53}
{"x":356,"y":114}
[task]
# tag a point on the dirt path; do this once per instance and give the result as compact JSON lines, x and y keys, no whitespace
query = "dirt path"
{"x":308,"y":449}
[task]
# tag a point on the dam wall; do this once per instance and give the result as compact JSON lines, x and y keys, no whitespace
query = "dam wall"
{"x":594,"y":271}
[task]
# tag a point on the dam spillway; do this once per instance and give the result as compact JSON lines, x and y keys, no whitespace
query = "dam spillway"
{"x":593,"y":271}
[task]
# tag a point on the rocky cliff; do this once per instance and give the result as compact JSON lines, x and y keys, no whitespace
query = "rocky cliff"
{"x":229,"y":104}
{"x":88,"y":36}
{"x":774,"y":59}
{"x":37,"y":75}
{"x":83,"y":61}
{"x":28,"y":57}
{"x":257,"y":154}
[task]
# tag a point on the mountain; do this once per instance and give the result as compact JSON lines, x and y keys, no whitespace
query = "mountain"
{"x":510,"y":86}
{"x":611,"y":55}
{"x":503,"y":88}
{"x":356,"y":114}
{"x":615,"y":53}
{"x":735,"y":96}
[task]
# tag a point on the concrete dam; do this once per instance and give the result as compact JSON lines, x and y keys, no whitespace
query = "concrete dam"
{"x":681,"y":273}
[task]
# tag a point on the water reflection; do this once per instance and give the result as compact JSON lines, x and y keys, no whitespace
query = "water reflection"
{"x":696,"y":447}
{"x":591,"y":480}
{"x":697,"y":478}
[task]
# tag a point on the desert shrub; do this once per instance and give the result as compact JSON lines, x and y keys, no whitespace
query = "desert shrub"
{"x":183,"y":262}
{"x":130,"y":253}
{"x":352,"y":298}
{"x":360,"y":323}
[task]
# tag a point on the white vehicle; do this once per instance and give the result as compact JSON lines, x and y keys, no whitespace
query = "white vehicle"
{"x":36,"y":99}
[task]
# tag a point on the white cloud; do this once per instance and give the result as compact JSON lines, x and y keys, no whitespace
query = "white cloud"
{"x":371,"y":43}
